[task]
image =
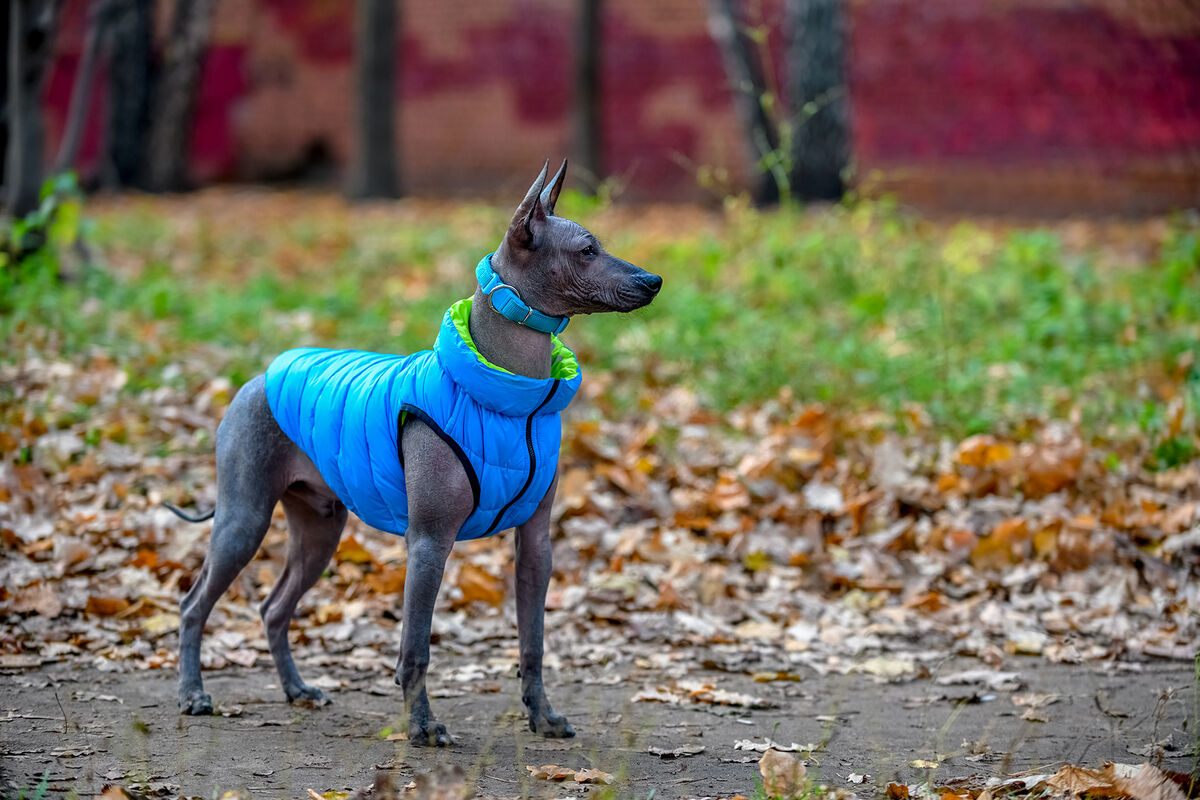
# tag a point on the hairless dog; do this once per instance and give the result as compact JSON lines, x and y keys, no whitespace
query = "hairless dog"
{"x":314,"y":432}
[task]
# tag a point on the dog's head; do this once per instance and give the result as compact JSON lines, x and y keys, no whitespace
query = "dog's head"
{"x":558,"y":267}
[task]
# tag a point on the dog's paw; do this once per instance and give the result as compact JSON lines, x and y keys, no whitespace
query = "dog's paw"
{"x":308,"y":697}
{"x":195,"y":703}
{"x":430,"y":734}
{"x":553,"y":726}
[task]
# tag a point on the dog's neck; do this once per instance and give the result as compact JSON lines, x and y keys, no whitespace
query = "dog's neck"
{"x":505,"y":343}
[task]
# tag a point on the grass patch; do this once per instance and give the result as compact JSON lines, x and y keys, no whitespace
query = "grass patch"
{"x":861,"y":306}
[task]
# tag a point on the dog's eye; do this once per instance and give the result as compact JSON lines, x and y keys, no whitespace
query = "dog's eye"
{"x":588,"y":251}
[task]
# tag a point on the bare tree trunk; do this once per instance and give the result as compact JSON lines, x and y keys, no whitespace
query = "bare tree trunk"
{"x":586,"y":116}
{"x":749,"y":88}
{"x":374,"y":173}
{"x":30,"y":34}
{"x":817,"y":97}
{"x":129,"y":72}
{"x":4,"y":108}
{"x":81,"y":91}
{"x":170,"y":132}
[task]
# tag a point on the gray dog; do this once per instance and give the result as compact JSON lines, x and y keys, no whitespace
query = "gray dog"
{"x":454,"y":443}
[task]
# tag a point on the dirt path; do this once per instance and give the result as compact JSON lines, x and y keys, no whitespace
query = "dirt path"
{"x":87,"y":728}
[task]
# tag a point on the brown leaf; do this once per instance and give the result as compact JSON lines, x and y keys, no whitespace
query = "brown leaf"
{"x":684,"y":751}
{"x":145,"y":558}
{"x":983,"y":451}
{"x":552,"y":772}
{"x":1077,"y":780}
{"x":729,"y":495}
{"x":593,"y":776}
{"x":350,"y":550}
{"x":387,"y":580}
{"x":572,"y":487}
{"x":106,"y":606}
{"x":1147,"y":783}
{"x":40,"y":598}
{"x":1035,"y":699}
{"x":1002,"y":547}
{"x":1048,"y":471}
{"x":478,"y":584}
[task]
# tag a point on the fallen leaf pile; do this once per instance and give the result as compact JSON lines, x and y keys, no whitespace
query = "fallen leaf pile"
{"x":782,"y":537}
{"x":1136,"y":782}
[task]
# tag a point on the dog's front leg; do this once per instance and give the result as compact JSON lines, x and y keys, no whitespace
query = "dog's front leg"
{"x":534,"y":557}
{"x":439,"y":501}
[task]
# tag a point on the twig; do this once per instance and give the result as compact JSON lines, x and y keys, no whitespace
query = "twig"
{"x":62,"y":710}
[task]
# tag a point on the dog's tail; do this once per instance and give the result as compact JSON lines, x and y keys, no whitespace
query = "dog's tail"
{"x":198,"y":518}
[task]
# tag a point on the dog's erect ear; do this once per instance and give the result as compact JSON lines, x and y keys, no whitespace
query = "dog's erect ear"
{"x":530,"y":215}
{"x":550,"y":193}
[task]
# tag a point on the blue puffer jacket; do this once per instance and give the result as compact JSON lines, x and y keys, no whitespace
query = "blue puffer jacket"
{"x":344,"y":409}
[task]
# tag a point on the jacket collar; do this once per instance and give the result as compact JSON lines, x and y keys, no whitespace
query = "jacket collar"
{"x":494,"y":387}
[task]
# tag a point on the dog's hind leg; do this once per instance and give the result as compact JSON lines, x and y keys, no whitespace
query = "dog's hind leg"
{"x":315,"y":525}
{"x":237,"y":533}
{"x":252,"y":461}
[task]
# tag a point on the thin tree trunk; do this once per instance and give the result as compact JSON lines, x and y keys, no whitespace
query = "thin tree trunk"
{"x":170,"y":132}
{"x":4,"y":107}
{"x":30,"y":33}
{"x":129,"y":72}
{"x":586,"y":116}
{"x":817,"y":97}
{"x":81,"y":91}
{"x":375,"y":173}
{"x":748,"y":85}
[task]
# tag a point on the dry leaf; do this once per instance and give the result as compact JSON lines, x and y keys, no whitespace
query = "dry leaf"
{"x":654,"y":694}
{"x":766,"y":744}
{"x":106,"y":606}
{"x":552,"y":772}
{"x":160,"y":623}
{"x":1035,"y":700}
{"x":1077,"y":780}
{"x":983,"y":451}
{"x":683,"y":751}
{"x":387,"y":580}
{"x":593,"y":776}
{"x":40,"y":598}
{"x":888,"y":668}
{"x":477,"y":584}
{"x":351,"y":551}
{"x":1147,"y":783}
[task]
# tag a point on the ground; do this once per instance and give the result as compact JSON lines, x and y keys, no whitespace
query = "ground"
{"x":86,"y":728}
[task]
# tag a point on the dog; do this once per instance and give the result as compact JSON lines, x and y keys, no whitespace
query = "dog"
{"x":453,"y":443}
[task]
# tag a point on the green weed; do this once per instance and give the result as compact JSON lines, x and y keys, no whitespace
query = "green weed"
{"x":861,"y":307}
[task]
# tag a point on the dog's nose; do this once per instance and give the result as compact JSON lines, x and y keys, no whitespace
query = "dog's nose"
{"x":652,"y":282}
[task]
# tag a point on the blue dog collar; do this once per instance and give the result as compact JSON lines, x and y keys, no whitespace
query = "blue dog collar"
{"x":510,"y":305}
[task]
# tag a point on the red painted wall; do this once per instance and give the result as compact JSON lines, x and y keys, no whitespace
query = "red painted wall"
{"x":1037,"y":105}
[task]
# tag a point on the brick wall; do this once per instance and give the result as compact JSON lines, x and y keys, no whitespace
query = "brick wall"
{"x":1041,"y":105}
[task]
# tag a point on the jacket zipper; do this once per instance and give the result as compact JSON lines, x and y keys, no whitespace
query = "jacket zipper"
{"x":532,"y":459}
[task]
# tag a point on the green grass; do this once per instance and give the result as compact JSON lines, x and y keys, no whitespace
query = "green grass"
{"x":861,"y":307}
